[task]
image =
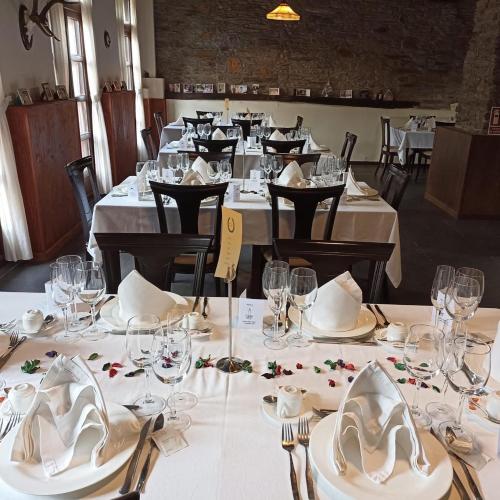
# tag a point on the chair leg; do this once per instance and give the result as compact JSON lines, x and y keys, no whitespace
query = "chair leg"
{"x":379,"y":162}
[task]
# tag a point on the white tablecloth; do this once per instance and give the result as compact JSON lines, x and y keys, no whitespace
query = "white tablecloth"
{"x":234,"y":449}
{"x":355,"y":221}
{"x":408,"y":140}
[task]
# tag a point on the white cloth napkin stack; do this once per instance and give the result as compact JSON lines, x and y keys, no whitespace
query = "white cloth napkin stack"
{"x":337,"y":305}
{"x":375,"y":418}
{"x":201,"y":166}
{"x":355,"y":189}
{"x":136,"y":295}
{"x":292,"y":176}
{"x":277,"y":136}
{"x":67,"y":423}
{"x":179,"y":121}
{"x":219,"y":135}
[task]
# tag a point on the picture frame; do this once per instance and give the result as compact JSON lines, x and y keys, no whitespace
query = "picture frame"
{"x":177,"y":87}
{"x":61,"y":92}
{"x":221,"y":88}
{"x":47,"y":92}
{"x":242,"y":89}
{"x":345,"y":94}
{"x":208,"y":88}
{"x":187,"y":88}
{"x":171,"y":87}
{"x":24,"y":96}
{"x":254,"y":88}
{"x":303,"y":92}
{"x":274,"y":91}
{"x":199,"y":88}
{"x":116,"y":86}
{"x":108,"y":87}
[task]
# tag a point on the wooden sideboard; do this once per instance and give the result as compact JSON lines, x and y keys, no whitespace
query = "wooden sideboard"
{"x":119,"y":116}
{"x":151,"y":106}
{"x":46,"y":137}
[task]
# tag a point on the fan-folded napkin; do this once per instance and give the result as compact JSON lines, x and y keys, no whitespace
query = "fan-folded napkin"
{"x":272,"y":123}
{"x":277,"y":136}
{"x":292,"y":176}
{"x":337,"y":304}
{"x":179,"y":121}
{"x":136,"y":295}
{"x":201,"y":166}
{"x":313,"y":145}
{"x":355,"y":189}
{"x":219,"y":135}
{"x":375,"y":416}
{"x":192,"y":178}
{"x":67,"y":423}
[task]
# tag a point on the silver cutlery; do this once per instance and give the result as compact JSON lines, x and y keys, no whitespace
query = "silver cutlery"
{"x":379,"y":325}
{"x":204,"y":312}
{"x":485,"y":412}
{"x":101,"y":305}
{"x":14,"y":419}
{"x":303,"y":437}
{"x":7,"y":355}
{"x":377,"y":307}
{"x":195,"y":305}
{"x":13,"y":339}
{"x":326,"y":340}
{"x":145,"y":468}
{"x":288,"y":444}
{"x":135,"y":459}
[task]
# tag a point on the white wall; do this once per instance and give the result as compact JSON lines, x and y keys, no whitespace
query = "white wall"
{"x":328,"y":123}
{"x":146,"y":34}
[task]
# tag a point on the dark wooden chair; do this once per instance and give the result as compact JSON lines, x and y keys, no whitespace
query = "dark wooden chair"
{"x":160,"y":123}
{"x":151,"y":148}
{"x":201,"y":114}
{"x":299,"y":122}
{"x":245,"y":125}
{"x":387,"y":152}
{"x":282,"y":146}
{"x":188,"y":200}
{"x":154,"y":256}
{"x":394,"y":185}
{"x":348,"y":147}
{"x":216,"y":146}
{"x":197,"y":121}
{"x":77,"y":171}
{"x":210,"y":156}
{"x":331,"y":258}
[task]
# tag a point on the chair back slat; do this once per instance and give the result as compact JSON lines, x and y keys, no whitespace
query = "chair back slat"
{"x":282,"y":146}
{"x":394,"y":187}
{"x":348,"y":147}
{"x":160,"y":123}
{"x":151,"y":148}
{"x":245,"y":125}
{"x":386,"y":131}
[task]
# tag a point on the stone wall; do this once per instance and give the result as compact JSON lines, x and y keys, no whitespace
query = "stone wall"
{"x":415,"y":48}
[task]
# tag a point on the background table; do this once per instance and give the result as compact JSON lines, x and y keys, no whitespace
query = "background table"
{"x":374,"y":221}
{"x":234,"y":449}
{"x":408,"y":139}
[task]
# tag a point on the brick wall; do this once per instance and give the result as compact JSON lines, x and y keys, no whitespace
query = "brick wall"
{"x":415,"y":48}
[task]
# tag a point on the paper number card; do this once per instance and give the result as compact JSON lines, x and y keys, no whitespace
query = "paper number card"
{"x":230,"y":248}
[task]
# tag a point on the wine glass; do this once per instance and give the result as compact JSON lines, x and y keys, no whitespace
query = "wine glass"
{"x":268,"y":329}
{"x":172,"y":167}
{"x":275,"y":287}
{"x":422,"y":356}
{"x":75,"y":322}
{"x":225,"y":170}
{"x":476,"y":274}
{"x":267,"y":131}
{"x":199,"y":130}
{"x":90,"y":287}
{"x":462,"y":298}
{"x":171,"y":363}
{"x":207,"y":130}
{"x":442,"y":279}
{"x":276,"y":166}
{"x":265,"y":164}
{"x":139,"y":340}
{"x":183,"y":162}
{"x":213,"y":171}
{"x":63,"y":293}
{"x":468,"y":375}
{"x":303,"y":293}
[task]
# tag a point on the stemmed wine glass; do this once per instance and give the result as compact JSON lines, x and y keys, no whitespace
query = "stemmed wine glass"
{"x":199,"y":130}
{"x":468,"y":375}
{"x":207,"y":129}
{"x":442,"y":279}
{"x":75,"y":324}
{"x":462,"y":299}
{"x":139,"y":340}
{"x":171,"y":362}
{"x":476,"y":274}
{"x":213,"y":171}
{"x":265,"y":164}
{"x":183,"y":162}
{"x":303,"y":293}
{"x":276,"y":166}
{"x":172,"y":167}
{"x":422,"y":355}
{"x":225,"y":170}
{"x":90,"y":287}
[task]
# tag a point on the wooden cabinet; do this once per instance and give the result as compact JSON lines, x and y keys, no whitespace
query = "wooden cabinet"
{"x":45,"y":138}
{"x":152,"y":106}
{"x":119,"y":116}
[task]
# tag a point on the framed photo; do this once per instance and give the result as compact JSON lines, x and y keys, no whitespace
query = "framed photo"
{"x":346,"y":94}
{"x":274,"y":91}
{"x":221,"y":88}
{"x":208,"y":88}
{"x":303,"y":92}
{"x":48,"y":93}
{"x":234,"y":89}
{"x":187,"y":88}
{"x":116,"y":86}
{"x":177,"y":87}
{"x":24,"y":96}
{"x":254,"y":88}
{"x":61,"y":92}
{"x":242,"y":89}
{"x":199,"y":88}
{"x":108,"y":87}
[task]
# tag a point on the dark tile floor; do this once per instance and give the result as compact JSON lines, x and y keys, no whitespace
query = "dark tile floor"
{"x":428,"y":237}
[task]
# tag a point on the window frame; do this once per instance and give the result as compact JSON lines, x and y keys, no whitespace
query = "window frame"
{"x":127,"y":31}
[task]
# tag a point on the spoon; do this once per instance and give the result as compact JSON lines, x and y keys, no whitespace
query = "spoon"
{"x":48,"y":319}
{"x":486,"y":413}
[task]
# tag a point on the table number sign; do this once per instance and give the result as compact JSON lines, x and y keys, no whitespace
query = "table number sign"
{"x":251,"y":313}
{"x":230,"y":248}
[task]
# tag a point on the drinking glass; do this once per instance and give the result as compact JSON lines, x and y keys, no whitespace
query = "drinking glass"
{"x":172,"y":166}
{"x":171,"y":362}
{"x":462,"y":298}
{"x":476,"y":274}
{"x":303,"y":293}
{"x":199,"y":130}
{"x":230,"y":133}
{"x":276,"y":166}
{"x":422,"y":356}
{"x":207,"y":130}
{"x":442,"y":279}
{"x":76,"y":323}
{"x":213,"y":171}
{"x":139,"y":341}
{"x":275,"y":281}
{"x":267,"y":131}
{"x":470,"y":373}
{"x":265,"y":164}
{"x":225,"y":170}
{"x":63,"y":292}
{"x":90,"y":287}
{"x":183,"y":162}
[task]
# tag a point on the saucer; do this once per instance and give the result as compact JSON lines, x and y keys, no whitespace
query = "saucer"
{"x":306,"y":412}
{"x":394,"y":346}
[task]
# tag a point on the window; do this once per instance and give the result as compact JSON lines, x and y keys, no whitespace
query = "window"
{"x":78,"y":75}
{"x":127,"y":44}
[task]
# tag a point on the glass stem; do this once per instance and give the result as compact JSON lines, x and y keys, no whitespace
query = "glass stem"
{"x":436,"y":317}
{"x":414,"y":405}
{"x":65,"y":317}
{"x":460,"y":411}
{"x":444,"y":388}
{"x":299,"y":333}
{"x":92,"y":312}
{"x":276,"y":325}
{"x":173,"y":411}
{"x":148,"y":398}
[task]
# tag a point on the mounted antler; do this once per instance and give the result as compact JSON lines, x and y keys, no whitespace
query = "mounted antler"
{"x":26,"y":21}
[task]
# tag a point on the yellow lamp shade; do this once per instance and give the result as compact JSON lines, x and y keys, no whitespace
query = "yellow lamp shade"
{"x":283,"y":12}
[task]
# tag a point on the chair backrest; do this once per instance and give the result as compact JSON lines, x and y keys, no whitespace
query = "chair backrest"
{"x":282,"y":146}
{"x":348,"y":147}
{"x":245,"y":125}
{"x":216,"y":146}
{"x":151,"y":148}
{"x":210,"y":156}
{"x":394,"y":186}
{"x":76,"y":171}
{"x":188,"y":199}
{"x":153,"y":254}
{"x":158,"y":116}
{"x":196,"y":121}
{"x":331,"y":258}
{"x":305,"y":202}
{"x":299,"y":122}
{"x":386,"y":131}
{"x":201,"y":114}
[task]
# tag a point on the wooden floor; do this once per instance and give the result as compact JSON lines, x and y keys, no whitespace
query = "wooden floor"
{"x":428,"y":238}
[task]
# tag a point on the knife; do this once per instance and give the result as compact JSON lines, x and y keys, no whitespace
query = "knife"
{"x":144,"y":472}
{"x":135,"y":458}
{"x":386,"y":323}
{"x":8,"y":354}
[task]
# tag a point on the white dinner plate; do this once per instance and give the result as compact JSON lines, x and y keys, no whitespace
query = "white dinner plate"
{"x":110,"y":311}
{"x":365,"y":324}
{"x":29,"y":478}
{"x":404,"y":481}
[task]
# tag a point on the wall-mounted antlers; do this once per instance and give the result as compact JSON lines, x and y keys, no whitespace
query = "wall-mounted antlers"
{"x":27,"y":21}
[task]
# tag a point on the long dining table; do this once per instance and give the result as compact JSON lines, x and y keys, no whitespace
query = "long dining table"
{"x":234,"y":447}
{"x":357,"y":220}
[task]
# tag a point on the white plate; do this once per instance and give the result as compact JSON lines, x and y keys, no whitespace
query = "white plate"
{"x":110,"y":311}
{"x":270,"y":412}
{"x":380,"y":337}
{"x":29,"y":478}
{"x":365,"y":324}
{"x":403,"y":483}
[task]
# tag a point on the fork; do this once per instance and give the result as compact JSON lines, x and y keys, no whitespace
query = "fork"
{"x":288,"y":444}
{"x":13,"y":421}
{"x":303,"y":436}
{"x":14,"y":337}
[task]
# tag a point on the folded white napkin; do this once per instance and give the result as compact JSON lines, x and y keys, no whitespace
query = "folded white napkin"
{"x":355,"y":189}
{"x":219,"y":135}
{"x":67,"y":423}
{"x":136,"y":295}
{"x":193,"y":178}
{"x":408,"y":124}
{"x":292,"y":176}
{"x":313,"y":145}
{"x":141,"y":179}
{"x":248,"y":116}
{"x":272,"y":123}
{"x":375,"y":417}
{"x":337,"y":305}
{"x":201,"y":166}
{"x":277,"y":136}
{"x":209,"y":115}
{"x":179,"y":121}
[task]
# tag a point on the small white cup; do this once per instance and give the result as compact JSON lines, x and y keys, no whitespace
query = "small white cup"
{"x":396,"y":332}
{"x":289,"y":401}
{"x":32,"y":320}
{"x":192,"y":321}
{"x":493,"y":404}
{"x":21,"y":396}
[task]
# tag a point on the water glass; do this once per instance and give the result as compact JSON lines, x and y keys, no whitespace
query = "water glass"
{"x":172,"y":166}
{"x":442,"y":279}
{"x":183,"y":162}
{"x":266,"y":165}
{"x":462,"y":298}
{"x":207,"y":130}
{"x":76,"y":322}
{"x":225,"y":170}
{"x":199,"y":130}
{"x":213,"y":171}
{"x":476,"y":274}
{"x":276,"y":166}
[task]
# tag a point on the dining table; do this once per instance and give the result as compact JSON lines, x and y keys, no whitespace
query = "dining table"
{"x":234,"y":445}
{"x":411,"y":140}
{"x":356,"y":220}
